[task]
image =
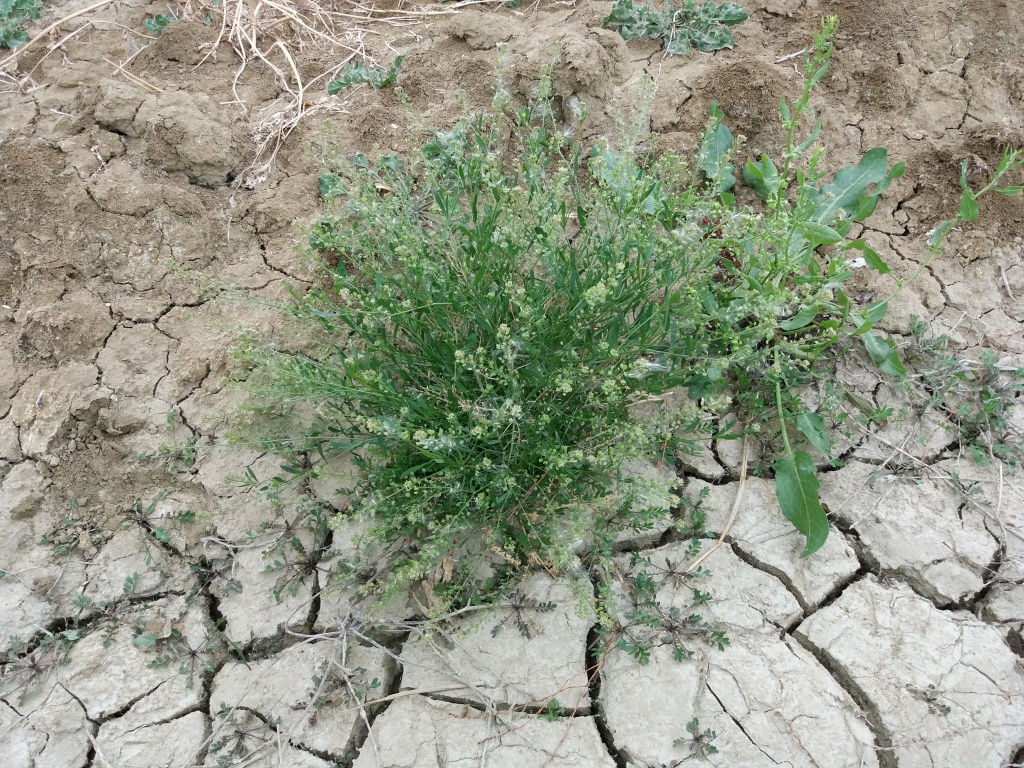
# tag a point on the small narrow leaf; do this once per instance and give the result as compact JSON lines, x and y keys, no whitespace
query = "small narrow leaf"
{"x":939,"y":234}
{"x":796,"y":487}
{"x":1010,"y":191}
{"x":818,"y":234}
{"x":806,"y":144}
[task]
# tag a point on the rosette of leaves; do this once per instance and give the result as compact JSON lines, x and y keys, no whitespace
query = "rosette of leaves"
{"x":357,"y":73}
{"x":13,"y":14}
{"x":703,"y":26}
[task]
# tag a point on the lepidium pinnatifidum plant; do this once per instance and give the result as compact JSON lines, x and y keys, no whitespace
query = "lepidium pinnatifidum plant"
{"x":493,"y":307}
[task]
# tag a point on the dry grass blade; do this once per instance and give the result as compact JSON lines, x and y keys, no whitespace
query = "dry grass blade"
{"x":134,"y":78}
{"x":732,"y":515}
{"x":13,"y":57}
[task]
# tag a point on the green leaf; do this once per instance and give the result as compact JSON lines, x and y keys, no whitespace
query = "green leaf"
{"x":726,"y":13}
{"x":1010,"y":191}
{"x":871,"y":258}
{"x":330,"y":186}
{"x":762,"y":177}
{"x":883,"y":352}
{"x":713,"y":39}
{"x":805,"y":145}
{"x":864,"y":207}
{"x":146,"y":640}
{"x":844,"y":192}
{"x":357,"y":73}
{"x":876,"y":311}
{"x":939,"y":233}
{"x":968,"y":206}
{"x":796,"y":487}
{"x":677,"y":46}
{"x":714,"y":151}
{"x":800,"y":319}
{"x":813,"y":427}
{"x":818,"y":234}
{"x":623,"y":12}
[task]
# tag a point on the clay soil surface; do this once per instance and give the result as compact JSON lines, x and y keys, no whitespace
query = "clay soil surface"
{"x":162,"y":612}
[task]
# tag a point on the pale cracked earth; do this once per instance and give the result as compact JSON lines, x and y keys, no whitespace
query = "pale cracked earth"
{"x":166,"y":617}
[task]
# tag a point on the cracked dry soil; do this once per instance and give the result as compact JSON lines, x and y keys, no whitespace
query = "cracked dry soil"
{"x":898,"y":645}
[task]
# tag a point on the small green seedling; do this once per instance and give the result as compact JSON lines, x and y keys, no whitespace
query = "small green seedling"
{"x":13,"y":14}
{"x":698,"y":741}
{"x":680,"y":28}
{"x":160,"y":22}
{"x":359,"y":74}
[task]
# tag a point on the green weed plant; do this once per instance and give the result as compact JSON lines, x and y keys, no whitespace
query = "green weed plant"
{"x":704,"y":26}
{"x":493,"y":309}
{"x":357,"y":73}
{"x":13,"y":15}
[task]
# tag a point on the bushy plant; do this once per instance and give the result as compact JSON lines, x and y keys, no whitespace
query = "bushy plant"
{"x":493,"y":309}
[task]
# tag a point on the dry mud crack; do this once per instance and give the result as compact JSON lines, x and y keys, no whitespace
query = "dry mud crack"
{"x":168,"y":614}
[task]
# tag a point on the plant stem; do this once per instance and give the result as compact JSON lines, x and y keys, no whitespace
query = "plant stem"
{"x":778,"y":406}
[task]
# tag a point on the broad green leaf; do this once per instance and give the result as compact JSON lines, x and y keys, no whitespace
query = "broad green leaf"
{"x":762,"y":177}
{"x":864,"y":207}
{"x":146,"y":640}
{"x":883,"y":352}
{"x":796,"y":487}
{"x":968,"y":206}
{"x":714,"y":151}
{"x":623,"y":12}
{"x":800,"y":319}
{"x":12,"y":38}
{"x":700,"y":387}
{"x":726,"y":13}
{"x":876,"y":311}
{"x":1010,"y":191}
{"x":712,"y":39}
{"x":6,"y":6}
{"x":845,"y":190}
{"x":330,"y":186}
{"x":678,"y":46}
{"x":813,"y":427}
